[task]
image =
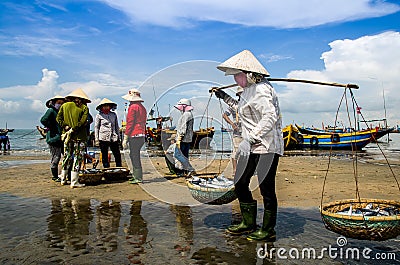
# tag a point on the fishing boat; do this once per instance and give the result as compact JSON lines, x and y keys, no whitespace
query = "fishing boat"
{"x":330,"y":130}
{"x":201,"y":138}
{"x":306,"y":130}
{"x":382,"y":132}
{"x":157,"y":137}
{"x":292,"y":138}
{"x":355,"y":140}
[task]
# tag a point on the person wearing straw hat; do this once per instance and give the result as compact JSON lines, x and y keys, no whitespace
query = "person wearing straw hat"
{"x":53,"y":135}
{"x":135,"y":133}
{"x":106,"y":131}
{"x":72,"y":118}
{"x":262,"y":143}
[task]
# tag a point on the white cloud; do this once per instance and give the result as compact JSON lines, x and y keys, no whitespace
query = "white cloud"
{"x":367,"y":61}
{"x":33,"y":46}
{"x":267,"y":13}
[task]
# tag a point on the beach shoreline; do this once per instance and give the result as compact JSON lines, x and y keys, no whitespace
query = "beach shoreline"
{"x":299,"y":181}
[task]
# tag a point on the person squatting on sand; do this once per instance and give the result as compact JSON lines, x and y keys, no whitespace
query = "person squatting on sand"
{"x":106,"y":130}
{"x":72,"y":118}
{"x":177,"y":163}
{"x":135,"y":133}
{"x":262,"y":143}
{"x":184,"y":132}
{"x":53,"y":135}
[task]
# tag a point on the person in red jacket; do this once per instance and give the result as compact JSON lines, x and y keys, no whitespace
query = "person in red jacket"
{"x":135,"y":132}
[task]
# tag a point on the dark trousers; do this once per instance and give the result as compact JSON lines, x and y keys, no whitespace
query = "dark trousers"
{"x":135,"y":144}
{"x":170,"y":164}
{"x":265,"y":165}
{"x":114,"y":146}
{"x":185,"y":149}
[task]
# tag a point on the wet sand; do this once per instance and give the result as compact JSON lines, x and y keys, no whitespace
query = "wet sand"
{"x":121,"y":223}
{"x":299,"y":180}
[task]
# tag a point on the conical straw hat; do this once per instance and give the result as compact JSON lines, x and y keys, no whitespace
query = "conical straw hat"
{"x":78,"y":93}
{"x":244,"y":61}
{"x":105,"y":101}
{"x":48,"y":102}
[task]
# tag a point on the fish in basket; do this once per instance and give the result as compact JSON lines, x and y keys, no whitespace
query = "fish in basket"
{"x":116,"y":173}
{"x":90,"y":176}
{"x":366,"y":219}
{"x":214,"y":190}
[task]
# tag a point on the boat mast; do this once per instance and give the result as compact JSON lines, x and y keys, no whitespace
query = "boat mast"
{"x":384,"y":108}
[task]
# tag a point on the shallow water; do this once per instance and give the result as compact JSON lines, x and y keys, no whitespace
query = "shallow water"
{"x":64,"y":231}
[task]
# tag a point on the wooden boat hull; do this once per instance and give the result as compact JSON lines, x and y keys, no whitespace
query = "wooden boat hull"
{"x":292,"y":138}
{"x":382,"y":132}
{"x":319,"y":131}
{"x":159,"y":140}
{"x":346,"y":141}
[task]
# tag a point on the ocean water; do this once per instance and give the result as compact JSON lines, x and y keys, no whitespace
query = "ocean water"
{"x":29,"y":141}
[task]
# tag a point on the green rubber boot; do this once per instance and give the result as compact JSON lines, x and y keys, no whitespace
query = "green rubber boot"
{"x":267,"y":230}
{"x":248,"y":224}
{"x":137,"y":176}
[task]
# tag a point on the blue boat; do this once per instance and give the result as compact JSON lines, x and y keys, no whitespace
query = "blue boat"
{"x":305,"y":130}
{"x":344,"y":141}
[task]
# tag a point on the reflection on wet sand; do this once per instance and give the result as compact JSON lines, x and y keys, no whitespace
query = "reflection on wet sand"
{"x":184,"y":226}
{"x":107,"y":225}
{"x":68,"y":224}
{"x":136,"y":233}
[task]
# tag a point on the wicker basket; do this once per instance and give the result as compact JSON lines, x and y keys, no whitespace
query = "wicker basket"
{"x":214,"y":196}
{"x":91,"y":178}
{"x":116,"y":173}
{"x":377,"y":228}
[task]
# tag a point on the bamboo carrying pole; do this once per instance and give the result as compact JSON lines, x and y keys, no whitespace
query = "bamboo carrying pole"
{"x":354,"y":86}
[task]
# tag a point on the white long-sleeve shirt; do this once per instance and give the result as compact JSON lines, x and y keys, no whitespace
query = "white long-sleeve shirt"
{"x":260,"y":115}
{"x":185,"y":127}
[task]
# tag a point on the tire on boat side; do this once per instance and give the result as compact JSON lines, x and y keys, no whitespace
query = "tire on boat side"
{"x":314,"y":142}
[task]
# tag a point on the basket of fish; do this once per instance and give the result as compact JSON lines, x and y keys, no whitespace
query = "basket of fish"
{"x":116,"y":173}
{"x":215,"y":190}
{"x":367,"y":219}
{"x":91,"y":176}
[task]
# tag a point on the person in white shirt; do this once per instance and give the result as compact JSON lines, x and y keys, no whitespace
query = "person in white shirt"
{"x":262,"y":143}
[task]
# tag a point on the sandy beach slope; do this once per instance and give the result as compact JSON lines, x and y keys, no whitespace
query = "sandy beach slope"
{"x":299,"y":181}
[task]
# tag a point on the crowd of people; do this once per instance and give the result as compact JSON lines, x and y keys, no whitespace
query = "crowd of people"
{"x":257,"y":138}
{"x":68,"y":120}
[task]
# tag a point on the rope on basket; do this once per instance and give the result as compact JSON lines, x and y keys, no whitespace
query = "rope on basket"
{"x":378,"y":229}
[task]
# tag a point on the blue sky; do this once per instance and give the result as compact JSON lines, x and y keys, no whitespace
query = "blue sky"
{"x":169,"y":50}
